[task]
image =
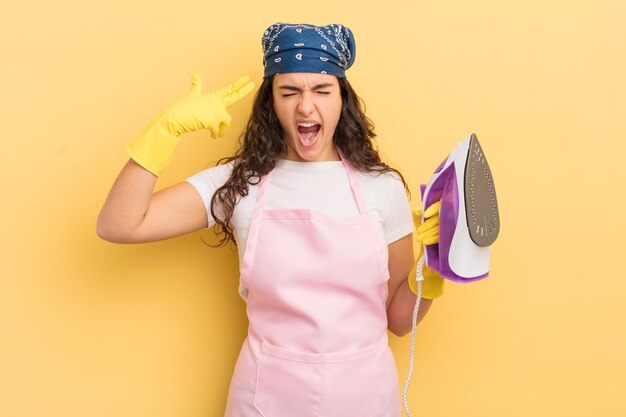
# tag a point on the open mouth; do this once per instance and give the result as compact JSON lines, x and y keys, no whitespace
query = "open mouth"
{"x":308,"y":133}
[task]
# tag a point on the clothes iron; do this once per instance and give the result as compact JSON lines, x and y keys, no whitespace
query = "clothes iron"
{"x":469,"y":223}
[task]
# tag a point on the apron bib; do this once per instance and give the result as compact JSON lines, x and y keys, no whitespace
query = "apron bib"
{"x":317,"y":342}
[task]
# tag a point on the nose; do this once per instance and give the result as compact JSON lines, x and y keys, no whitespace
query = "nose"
{"x":306,"y":104}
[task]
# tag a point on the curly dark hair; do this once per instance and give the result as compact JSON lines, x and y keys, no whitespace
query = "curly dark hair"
{"x":261,"y":143}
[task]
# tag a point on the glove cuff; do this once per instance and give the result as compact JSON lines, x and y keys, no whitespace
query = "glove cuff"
{"x":154,"y":147}
{"x":432,"y":285}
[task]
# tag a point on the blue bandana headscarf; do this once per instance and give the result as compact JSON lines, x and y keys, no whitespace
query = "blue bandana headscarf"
{"x":308,"y":48}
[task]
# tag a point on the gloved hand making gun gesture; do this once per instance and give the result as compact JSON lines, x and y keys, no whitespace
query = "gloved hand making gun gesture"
{"x":154,"y":146}
{"x":427,"y":234}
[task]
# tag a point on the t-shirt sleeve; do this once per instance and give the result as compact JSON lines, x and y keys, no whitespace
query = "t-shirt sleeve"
{"x":399,"y":221}
{"x":206,"y":182}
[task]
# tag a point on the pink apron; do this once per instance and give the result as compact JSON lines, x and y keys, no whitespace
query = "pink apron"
{"x":317,"y":341}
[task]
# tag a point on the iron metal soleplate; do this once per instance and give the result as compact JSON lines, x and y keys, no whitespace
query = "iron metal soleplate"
{"x":481,"y":205}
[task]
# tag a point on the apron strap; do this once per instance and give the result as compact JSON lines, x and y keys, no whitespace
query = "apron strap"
{"x":356,"y":190}
{"x":260,"y":199}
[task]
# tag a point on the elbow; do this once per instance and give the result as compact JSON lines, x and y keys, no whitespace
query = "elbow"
{"x":395,"y":326}
{"x":104,"y":236}
{"x":398,"y":331}
{"x":400,"y":320}
{"x":106,"y":232}
{"x":101,"y":230}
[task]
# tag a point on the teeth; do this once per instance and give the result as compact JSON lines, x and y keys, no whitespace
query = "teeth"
{"x":306,"y":124}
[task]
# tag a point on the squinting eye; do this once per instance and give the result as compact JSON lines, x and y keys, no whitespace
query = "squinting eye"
{"x":288,"y":95}
{"x":324,"y":92}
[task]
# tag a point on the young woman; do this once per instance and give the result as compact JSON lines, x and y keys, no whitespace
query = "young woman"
{"x":322,"y":225}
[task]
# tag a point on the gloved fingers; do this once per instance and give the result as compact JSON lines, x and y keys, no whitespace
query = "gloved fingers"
{"x":431,"y":240}
{"x":432,"y":209}
{"x":196,"y":85}
{"x":240,"y":83}
{"x":232,"y":87}
{"x":234,"y":92}
{"x":225,"y":124}
{"x":427,"y":234}
{"x":214,"y":129}
{"x":239,"y":94}
{"x":417,"y":217}
{"x":429,"y":224}
{"x":223,"y":128}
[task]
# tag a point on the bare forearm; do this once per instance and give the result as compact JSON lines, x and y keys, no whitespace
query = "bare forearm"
{"x":127,"y":202}
{"x":400,"y":311}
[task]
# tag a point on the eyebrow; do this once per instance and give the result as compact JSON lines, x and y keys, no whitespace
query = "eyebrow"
{"x":294,"y":88}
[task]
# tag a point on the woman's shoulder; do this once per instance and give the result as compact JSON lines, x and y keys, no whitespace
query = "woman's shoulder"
{"x":386,"y":187}
{"x":219,"y":166}
{"x":381,"y":176}
{"x":215,"y":175}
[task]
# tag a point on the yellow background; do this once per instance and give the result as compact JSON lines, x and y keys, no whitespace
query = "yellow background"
{"x":90,"y":328}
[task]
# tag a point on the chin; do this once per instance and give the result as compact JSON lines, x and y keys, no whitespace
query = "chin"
{"x":314,"y":154}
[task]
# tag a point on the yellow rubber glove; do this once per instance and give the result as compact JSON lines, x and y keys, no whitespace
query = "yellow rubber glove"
{"x":154,"y":146}
{"x":427,"y":234}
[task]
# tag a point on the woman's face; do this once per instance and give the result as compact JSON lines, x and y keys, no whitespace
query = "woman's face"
{"x":308,"y":106}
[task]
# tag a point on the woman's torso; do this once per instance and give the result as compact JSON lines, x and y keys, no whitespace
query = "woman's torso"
{"x":319,"y":186}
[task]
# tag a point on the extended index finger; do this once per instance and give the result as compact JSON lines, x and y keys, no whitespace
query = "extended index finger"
{"x":238,"y":95}
{"x":235,"y":91}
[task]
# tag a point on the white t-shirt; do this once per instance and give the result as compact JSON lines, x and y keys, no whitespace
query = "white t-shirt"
{"x":321,"y":186}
